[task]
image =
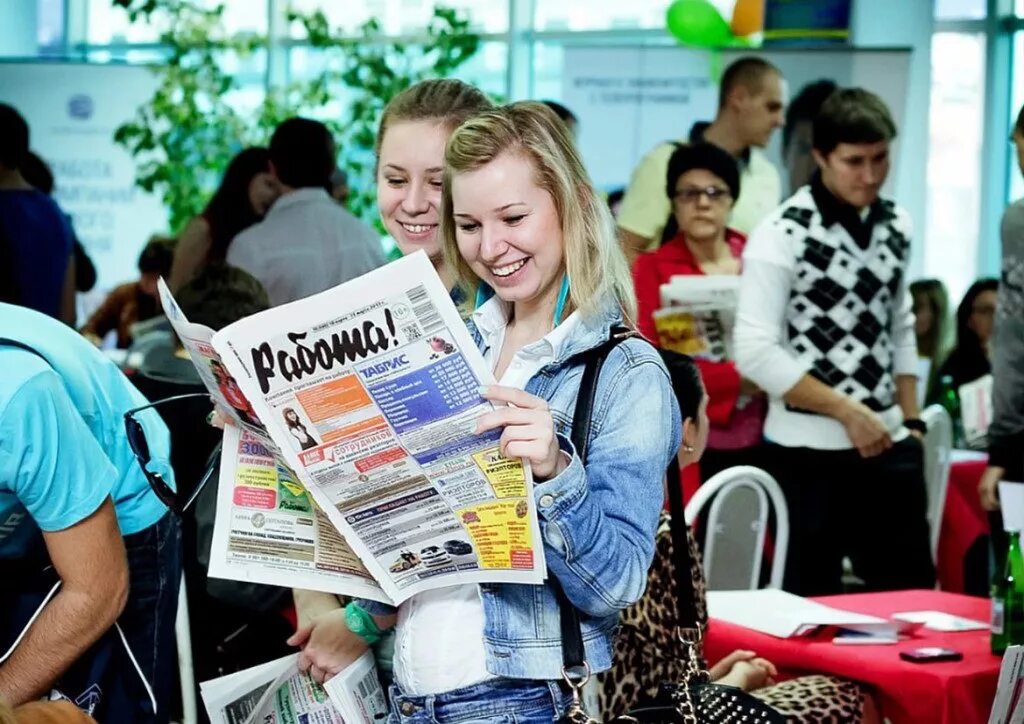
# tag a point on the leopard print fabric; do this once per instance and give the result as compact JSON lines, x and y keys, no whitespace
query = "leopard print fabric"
{"x":647,"y":654}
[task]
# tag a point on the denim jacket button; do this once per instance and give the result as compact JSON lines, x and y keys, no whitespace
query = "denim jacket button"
{"x":407,"y":708}
{"x":546,"y":501}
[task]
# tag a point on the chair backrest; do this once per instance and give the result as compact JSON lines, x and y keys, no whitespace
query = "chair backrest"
{"x":741,"y":499}
{"x":938,"y":448}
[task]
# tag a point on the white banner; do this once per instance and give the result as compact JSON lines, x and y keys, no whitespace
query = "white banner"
{"x":72,"y":110}
{"x":630,"y":99}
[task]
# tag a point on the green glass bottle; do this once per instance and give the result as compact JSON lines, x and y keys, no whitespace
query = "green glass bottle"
{"x":1008,"y":599}
{"x":950,"y":400}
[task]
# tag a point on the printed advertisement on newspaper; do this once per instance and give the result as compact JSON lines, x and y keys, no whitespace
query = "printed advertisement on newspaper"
{"x":268,"y":530}
{"x":371,"y":391}
{"x":697,"y":316}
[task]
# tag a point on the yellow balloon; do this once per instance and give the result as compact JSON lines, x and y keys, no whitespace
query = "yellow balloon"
{"x":747,"y":17}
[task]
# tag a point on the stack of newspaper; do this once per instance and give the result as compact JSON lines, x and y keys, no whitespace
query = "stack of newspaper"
{"x":697,"y":316}
{"x":276,"y":693}
{"x":352,"y":466}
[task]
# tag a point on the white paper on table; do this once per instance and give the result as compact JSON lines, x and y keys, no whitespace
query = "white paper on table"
{"x":957,"y":455}
{"x":785,"y":615}
{"x":942,"y":621}
{"x":976,"y":408}
{"x":1011,"y":503}
{"x":356,"y":692}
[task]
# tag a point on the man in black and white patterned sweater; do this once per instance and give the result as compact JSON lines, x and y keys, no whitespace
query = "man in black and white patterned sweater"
{"x":825,"y":327}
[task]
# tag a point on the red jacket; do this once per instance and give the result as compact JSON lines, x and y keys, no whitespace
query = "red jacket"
{"x":655,"y":268}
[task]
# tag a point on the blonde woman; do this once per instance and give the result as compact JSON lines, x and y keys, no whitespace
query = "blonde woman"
{"x":413,"y":131}
{"x":529,"y":238}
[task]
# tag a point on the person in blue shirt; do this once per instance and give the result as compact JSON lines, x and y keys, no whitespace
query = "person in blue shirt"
{"x":37,"y":264}
{"x":72,"y":494}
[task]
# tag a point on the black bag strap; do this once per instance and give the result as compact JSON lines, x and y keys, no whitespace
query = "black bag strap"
{"x":573,"y":655}
{"x":686,"y":601}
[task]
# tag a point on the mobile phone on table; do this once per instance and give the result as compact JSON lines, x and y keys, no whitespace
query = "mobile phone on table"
{"x":930,"y":655}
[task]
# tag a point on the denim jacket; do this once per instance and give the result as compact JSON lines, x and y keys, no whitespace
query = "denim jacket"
{"x":598,"y":522}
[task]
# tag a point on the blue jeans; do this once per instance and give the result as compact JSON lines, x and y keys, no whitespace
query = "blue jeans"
{"x":500,"y":700}
{"x":154,"y":575}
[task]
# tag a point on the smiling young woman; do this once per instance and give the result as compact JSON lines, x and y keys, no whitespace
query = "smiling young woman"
{"x":520,"y":218}
{"x":410,"y":145}
{"x":411,"y":138}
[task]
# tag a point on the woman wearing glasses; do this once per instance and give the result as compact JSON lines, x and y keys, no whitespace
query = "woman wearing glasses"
{"x":703,"y":183}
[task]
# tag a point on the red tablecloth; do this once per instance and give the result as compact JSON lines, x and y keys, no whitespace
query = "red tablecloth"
{"x":940,"y":693}
{"x":963,"y":521}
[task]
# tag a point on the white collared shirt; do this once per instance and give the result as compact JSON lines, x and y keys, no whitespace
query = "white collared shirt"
{"x":307,"y":243}
{"x":439,"y":645}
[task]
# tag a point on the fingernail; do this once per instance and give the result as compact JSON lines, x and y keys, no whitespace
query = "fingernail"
{"x":483,"y":389}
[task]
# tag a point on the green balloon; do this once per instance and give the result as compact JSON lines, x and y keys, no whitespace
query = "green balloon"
{"x":698,"y":23}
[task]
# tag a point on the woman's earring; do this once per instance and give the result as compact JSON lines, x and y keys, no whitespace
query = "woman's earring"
{"x":689,"y":449}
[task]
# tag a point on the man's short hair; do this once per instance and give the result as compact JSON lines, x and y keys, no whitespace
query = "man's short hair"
{"x":1018,"y":127}
{"x":852,"y":115}
{"x":805,"y":106}
{"x":157,"y":256}
{"x":303,"y":153}
{"x":221,"y":294}
{"x":13,"y":137}
{"x":748,"y":72}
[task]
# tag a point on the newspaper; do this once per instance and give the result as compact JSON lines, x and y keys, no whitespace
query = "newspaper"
{"x":976,"y":410}
{"x":268,"y":530}
{"x":277,"y":693}
{"x":233,"y":699}
{"x":368,"y":396}
{"x":356,"y":692}
{"x":697,"y":316}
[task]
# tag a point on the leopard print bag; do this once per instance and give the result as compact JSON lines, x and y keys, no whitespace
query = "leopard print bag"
{"x":677,"y":616}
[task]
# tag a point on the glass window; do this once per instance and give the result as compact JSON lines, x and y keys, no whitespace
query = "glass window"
{"x":960,"y":9}
{"x":107,"y":24}
{"x":242,"y":17}
{"x":548,"y":60}
{"x":488,"y":69}
{"x":50,"y":26}
{"x":954,"y":159}
{"x":1016,"y":186}
{"x":603,"y":14}
{"x":404,"y":17}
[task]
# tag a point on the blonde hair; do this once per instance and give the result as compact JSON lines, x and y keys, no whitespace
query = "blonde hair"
{"x":444,"y":100}
{"x":594,"y":262}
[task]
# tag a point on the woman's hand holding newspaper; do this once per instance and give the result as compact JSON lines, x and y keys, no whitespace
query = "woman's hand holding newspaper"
{"x":328,"y":646}
{"x":529,"y":429}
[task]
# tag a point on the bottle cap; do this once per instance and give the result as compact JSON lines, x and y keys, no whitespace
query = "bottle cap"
{"x":1011,"y":501}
